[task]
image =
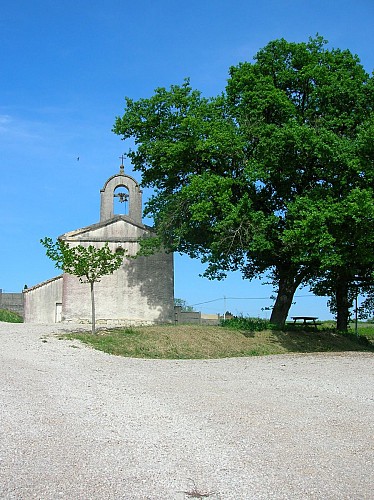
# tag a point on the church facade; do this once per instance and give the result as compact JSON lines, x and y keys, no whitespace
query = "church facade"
{"x":141,"y":291}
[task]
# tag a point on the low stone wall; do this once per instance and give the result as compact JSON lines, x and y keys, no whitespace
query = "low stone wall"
{"x":12,"y":302}
{"x":111,"y":323}
{"x":195,"y":317}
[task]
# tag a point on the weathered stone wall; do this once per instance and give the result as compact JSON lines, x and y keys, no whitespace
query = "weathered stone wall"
{"x":195,"y":317}
{"x":42,"y":303}
{"x":12,"y":302}
{"x":135,"y":197}
{"x":140,"y":292}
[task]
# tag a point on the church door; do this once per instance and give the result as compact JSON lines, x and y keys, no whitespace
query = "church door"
{"x":58,"y":313}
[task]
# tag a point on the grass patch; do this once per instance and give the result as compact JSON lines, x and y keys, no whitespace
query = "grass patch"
{"x":363,"y":329}
{"x":10,"y":316}
{"x":204,"y":342}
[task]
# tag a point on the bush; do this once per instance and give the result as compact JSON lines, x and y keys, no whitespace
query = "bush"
{"x":247,"y":324}
{"x":10,"y":316}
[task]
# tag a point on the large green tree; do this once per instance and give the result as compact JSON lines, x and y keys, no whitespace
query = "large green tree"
{"x":239,"y":178}
{"x":337,"y":233}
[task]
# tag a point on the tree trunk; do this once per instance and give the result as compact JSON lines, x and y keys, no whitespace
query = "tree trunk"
{"x":342,"y":304}
{"x":93,"y":308}
{"x":288,"y":284}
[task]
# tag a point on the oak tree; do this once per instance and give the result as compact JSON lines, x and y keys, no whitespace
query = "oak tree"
{"x":240,"y":178}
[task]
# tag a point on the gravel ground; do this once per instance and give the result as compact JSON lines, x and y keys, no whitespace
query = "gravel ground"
{"x":80,"y":424}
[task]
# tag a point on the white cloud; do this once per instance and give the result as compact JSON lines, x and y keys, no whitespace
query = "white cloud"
{"x":14,"y":130}
{"x":4,"y":119}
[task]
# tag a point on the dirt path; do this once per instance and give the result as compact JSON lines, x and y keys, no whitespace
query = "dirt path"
{"x":79,"y":424}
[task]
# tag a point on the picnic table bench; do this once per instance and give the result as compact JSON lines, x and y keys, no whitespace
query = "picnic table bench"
{"x":306,"y":320}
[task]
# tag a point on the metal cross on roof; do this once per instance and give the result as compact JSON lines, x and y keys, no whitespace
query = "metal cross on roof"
{"x":122,"y":167}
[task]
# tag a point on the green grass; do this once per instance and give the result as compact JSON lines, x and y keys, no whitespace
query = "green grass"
{"x":364,"y":329}
{"x":204,"y":342}
{"x":10,"y":316}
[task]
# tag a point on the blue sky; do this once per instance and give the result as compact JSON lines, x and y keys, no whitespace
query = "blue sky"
{"x":66,"y":67}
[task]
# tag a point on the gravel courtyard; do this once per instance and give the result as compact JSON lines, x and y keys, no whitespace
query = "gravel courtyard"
{"x":80,"y":424}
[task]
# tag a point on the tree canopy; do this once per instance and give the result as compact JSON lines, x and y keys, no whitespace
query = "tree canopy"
{"x":275,"y":175}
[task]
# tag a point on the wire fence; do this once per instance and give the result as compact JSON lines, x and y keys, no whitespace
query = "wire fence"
{"x":260,"y":306}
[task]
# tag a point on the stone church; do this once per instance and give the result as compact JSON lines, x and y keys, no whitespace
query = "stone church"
{"x":140,"y":292}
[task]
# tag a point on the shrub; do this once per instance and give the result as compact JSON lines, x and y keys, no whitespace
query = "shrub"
{"x":10,"y":316}
{"x":247,"y":324}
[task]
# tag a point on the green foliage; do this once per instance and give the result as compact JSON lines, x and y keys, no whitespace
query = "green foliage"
{"x":183,"y":304}
{"x":273,"y":176}
{"x":247,"y":324}
{"x":89,"y":263}
{"x":367,"y":332}
{"x":10,"y":316}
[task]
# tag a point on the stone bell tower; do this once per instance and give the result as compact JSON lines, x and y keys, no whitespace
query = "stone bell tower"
{"x":141,"y":291}
{"x":131,"y":194}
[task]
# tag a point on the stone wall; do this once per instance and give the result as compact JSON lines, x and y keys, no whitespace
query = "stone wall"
{"x":12,"y":302}
{"x":140,"y":292}
{"x":195,"y":317}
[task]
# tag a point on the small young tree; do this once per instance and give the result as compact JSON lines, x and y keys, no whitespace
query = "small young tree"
{"x":89,"y":264}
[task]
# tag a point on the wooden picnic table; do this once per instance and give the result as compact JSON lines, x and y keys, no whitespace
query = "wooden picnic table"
{"x":305,"y":320}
